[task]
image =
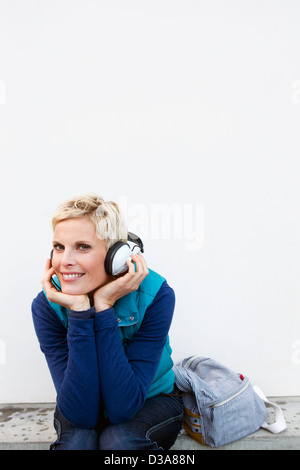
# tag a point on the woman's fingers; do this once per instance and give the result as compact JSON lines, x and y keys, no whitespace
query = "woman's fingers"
{"x":108,"y":294}
{"x":48,"y":273}
{"x":73,"y":302}
{"x":139,"y":272}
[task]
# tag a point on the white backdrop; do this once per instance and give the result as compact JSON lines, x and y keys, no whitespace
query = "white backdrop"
{"x":187,"y":112}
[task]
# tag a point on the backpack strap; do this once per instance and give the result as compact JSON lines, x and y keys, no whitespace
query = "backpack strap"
{"x":280,"y":423}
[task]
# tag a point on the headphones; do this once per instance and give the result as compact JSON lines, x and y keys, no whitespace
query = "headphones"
{"x":118,"y":254}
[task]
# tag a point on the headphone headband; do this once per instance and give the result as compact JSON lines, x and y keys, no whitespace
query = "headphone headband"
{"x":132,"y":237}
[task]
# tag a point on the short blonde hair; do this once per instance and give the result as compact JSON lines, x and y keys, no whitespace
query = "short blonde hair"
{"x":109,"y":220}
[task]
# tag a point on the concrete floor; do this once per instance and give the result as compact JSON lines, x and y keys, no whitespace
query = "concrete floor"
{"x":30,"y":427}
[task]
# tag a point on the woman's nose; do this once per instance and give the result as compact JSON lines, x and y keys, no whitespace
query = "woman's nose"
{"x":68,"y":258}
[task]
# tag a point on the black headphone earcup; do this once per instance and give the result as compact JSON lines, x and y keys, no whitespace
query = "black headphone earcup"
{"x":108,"y":263}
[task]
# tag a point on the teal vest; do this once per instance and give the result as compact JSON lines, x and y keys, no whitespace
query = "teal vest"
{"x":130,"y":311}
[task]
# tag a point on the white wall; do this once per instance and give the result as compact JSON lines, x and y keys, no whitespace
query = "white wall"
{"x":190,"y":109}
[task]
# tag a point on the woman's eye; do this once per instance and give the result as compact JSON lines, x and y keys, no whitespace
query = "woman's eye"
{"x":58,"y":247}
{"x":84,"y":247}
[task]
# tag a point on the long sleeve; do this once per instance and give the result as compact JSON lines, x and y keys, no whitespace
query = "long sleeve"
{"x":72,"y":360}
{"x":126,"y":374}
{"x":89,"y":360}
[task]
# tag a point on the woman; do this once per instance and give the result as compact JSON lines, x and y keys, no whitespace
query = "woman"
{"x":105,"y":338}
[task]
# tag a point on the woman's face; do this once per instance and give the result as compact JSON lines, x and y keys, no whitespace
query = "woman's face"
{"x":78,"y":256}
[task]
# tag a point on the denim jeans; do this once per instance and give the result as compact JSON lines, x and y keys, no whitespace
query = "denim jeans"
{"x":154,"y":427}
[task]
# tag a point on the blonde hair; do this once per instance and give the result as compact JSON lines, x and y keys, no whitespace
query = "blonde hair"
{"x":109,"y":220}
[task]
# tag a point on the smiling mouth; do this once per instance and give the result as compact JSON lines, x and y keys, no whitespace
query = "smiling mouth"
{"x":71,"y":277}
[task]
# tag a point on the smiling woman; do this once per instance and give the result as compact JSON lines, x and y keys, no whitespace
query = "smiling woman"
{"x":78,"y":256}
{"x":110,"y":360}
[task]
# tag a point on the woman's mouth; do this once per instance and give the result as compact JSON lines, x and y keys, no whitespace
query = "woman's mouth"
{"x":71,"y":276}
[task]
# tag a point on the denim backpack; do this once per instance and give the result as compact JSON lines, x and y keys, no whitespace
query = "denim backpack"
{"x":221,"y":406}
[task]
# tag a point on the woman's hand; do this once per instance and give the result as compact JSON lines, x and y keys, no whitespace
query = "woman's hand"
{"x":77,"y":303}
{"x":106,"y":296}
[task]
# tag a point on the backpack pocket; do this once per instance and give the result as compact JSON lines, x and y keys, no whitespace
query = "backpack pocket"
{"x":234,"y":417}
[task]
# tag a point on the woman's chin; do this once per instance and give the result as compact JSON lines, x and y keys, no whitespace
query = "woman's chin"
{"x":72,"y":290}
{"x":82,"y":288}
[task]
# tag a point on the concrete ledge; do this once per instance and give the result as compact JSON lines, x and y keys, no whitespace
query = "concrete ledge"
{"x":30,"y":427}
{"x":26,"y":426}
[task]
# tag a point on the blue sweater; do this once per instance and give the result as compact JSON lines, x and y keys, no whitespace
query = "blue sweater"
{"x":89,"y":364}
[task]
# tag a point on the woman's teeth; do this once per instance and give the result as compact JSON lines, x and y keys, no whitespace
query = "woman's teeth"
{"x":71,"y":276}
